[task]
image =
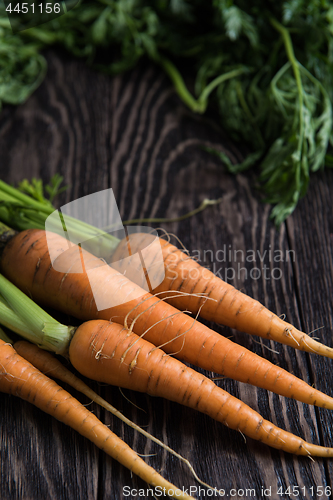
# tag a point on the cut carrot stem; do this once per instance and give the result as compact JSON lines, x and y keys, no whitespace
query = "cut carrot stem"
{"x":4,"y":337}
{"x":36,"y":320}
{"x":19,"y":378}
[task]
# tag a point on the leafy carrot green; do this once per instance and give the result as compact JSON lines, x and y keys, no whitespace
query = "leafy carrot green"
{"x":267,"y":67}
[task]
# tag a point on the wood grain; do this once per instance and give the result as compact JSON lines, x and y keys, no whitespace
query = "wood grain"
{"x":133,"y":134}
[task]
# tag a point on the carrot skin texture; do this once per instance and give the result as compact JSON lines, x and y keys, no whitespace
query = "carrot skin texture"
{"x":20,"y":378}
{"x":109,"y":353}
{"x":26,"y":262}
{"x":222,"y":302}
{"x":47,"y":363}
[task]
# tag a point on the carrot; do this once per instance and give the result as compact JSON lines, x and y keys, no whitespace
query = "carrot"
{"x":107,"y":352}
{"x":205,"y":293}
{"x":26,"y":262}
{"x":48,"y":364}
{"x":18,"y":377}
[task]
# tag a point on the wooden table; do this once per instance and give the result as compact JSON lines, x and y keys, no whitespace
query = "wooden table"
{"x":133,"y":134}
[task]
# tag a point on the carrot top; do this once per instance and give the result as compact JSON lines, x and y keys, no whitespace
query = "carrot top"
{"x":28,"y":319}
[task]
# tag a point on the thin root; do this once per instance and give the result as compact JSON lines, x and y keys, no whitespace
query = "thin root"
{"x":175,"y":294}
{"x":265,"y":346}
{"x":176,"y":237}
{"x":131,"y":402}
{"x":244,"y":437}
{"x":315,"y":330}
{"x":307,"y":345}
{"x":288,"y":330}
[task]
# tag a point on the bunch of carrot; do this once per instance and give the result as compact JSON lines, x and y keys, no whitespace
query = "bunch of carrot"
{"x":187,"y":285}
{"x":128,"y":344}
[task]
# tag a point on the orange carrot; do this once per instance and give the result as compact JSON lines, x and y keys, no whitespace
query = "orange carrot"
{"x":18,"y":377}
{"x":26,"y":262}
{"x":107,"y":352}
{"x":206,"y":293}
{"x":48,"y":364}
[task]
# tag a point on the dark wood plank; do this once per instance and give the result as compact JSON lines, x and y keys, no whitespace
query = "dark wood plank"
{"x":310,"y":232}
{"x":132,"y":133}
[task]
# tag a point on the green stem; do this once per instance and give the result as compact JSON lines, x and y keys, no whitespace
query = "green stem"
{"x":17,"y":195}
{"x":202,"y":207}
{"x":197,"y":105}
{"x":295,"y":65}
{"x":47,"y":332}
{"x":11,"y":320}
{"x":203,"y":99}
{"x":40,"y":209}
{"x":180,"y":86}
{"x":27,"y":216}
